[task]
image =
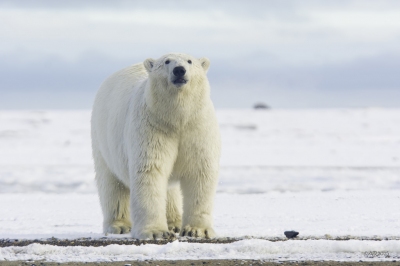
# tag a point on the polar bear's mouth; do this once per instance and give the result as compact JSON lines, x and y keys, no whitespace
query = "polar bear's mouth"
{"x":180,"y":81}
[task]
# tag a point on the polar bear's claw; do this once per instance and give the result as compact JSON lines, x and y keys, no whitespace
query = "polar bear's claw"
{"x":162,"y":235}
{"x":174,"y":229}
{"x":198,"y":232}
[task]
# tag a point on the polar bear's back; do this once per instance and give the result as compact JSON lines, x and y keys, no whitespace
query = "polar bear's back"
{"x":109,"y":114}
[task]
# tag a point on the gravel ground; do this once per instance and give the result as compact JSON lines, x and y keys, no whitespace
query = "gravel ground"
{"x":201,"y":262}
{"x":105,"y":241}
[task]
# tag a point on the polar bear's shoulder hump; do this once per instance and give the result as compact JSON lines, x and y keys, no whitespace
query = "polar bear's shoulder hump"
{"x":132,"y":74}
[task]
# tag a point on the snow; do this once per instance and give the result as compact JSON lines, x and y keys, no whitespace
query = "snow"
{"x":277,"y":150}
{"x":319,"y":172}
{"x":245,"y":249}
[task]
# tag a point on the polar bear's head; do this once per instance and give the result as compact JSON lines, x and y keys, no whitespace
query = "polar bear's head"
{"x":177,"y":70}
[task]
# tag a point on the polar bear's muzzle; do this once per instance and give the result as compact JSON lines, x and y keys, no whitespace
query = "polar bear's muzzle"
{"x":179,"y":73}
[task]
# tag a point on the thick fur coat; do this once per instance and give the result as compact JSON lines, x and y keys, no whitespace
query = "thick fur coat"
{"x":155,"y":138}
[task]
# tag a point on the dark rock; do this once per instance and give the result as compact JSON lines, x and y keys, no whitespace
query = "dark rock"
{"x":291,"y":234}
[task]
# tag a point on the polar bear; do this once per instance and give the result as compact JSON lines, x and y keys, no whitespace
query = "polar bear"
{"x":155,"y":138}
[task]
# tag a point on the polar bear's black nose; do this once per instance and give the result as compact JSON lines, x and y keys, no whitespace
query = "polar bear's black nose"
{"x":179,"y":71}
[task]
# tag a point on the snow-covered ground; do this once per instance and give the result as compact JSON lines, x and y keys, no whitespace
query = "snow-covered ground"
{"x":320,"y":172}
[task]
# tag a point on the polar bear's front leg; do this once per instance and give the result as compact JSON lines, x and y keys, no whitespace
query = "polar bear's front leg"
{"x":198,"y":197}
{"x":151,"y":168}
{"x":148,"y":205}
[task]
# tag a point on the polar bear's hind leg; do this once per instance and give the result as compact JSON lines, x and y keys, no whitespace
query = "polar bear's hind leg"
{"x":114,"y":199}
{"x":174,"y":209}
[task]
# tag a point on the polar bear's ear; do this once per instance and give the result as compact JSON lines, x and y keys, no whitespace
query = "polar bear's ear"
{"x":149,"y":63}
{"x":205,"y":63}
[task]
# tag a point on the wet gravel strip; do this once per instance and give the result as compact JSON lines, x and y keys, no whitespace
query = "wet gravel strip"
{"x":105,"y":241}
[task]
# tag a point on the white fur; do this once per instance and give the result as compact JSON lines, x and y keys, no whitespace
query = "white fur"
{"x":154,"y":142}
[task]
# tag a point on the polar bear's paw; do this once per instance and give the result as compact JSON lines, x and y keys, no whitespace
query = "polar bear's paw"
{"x":118,"y":227}
{"x":174,"y":226}
{"x":198,"y":232}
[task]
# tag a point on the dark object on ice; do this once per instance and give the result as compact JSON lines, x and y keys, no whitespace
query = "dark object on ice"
{"x":291,"y":234}
{"x":260,"y":106}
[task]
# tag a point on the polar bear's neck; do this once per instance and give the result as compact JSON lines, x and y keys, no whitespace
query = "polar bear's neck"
{"x":173,"y":107}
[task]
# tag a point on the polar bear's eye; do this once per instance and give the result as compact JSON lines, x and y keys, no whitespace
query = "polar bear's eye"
{"x":189,"y":61}
{"x":167,"y":62}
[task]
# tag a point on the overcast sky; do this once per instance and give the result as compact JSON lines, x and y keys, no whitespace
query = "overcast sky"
{"x":287,"y":54}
